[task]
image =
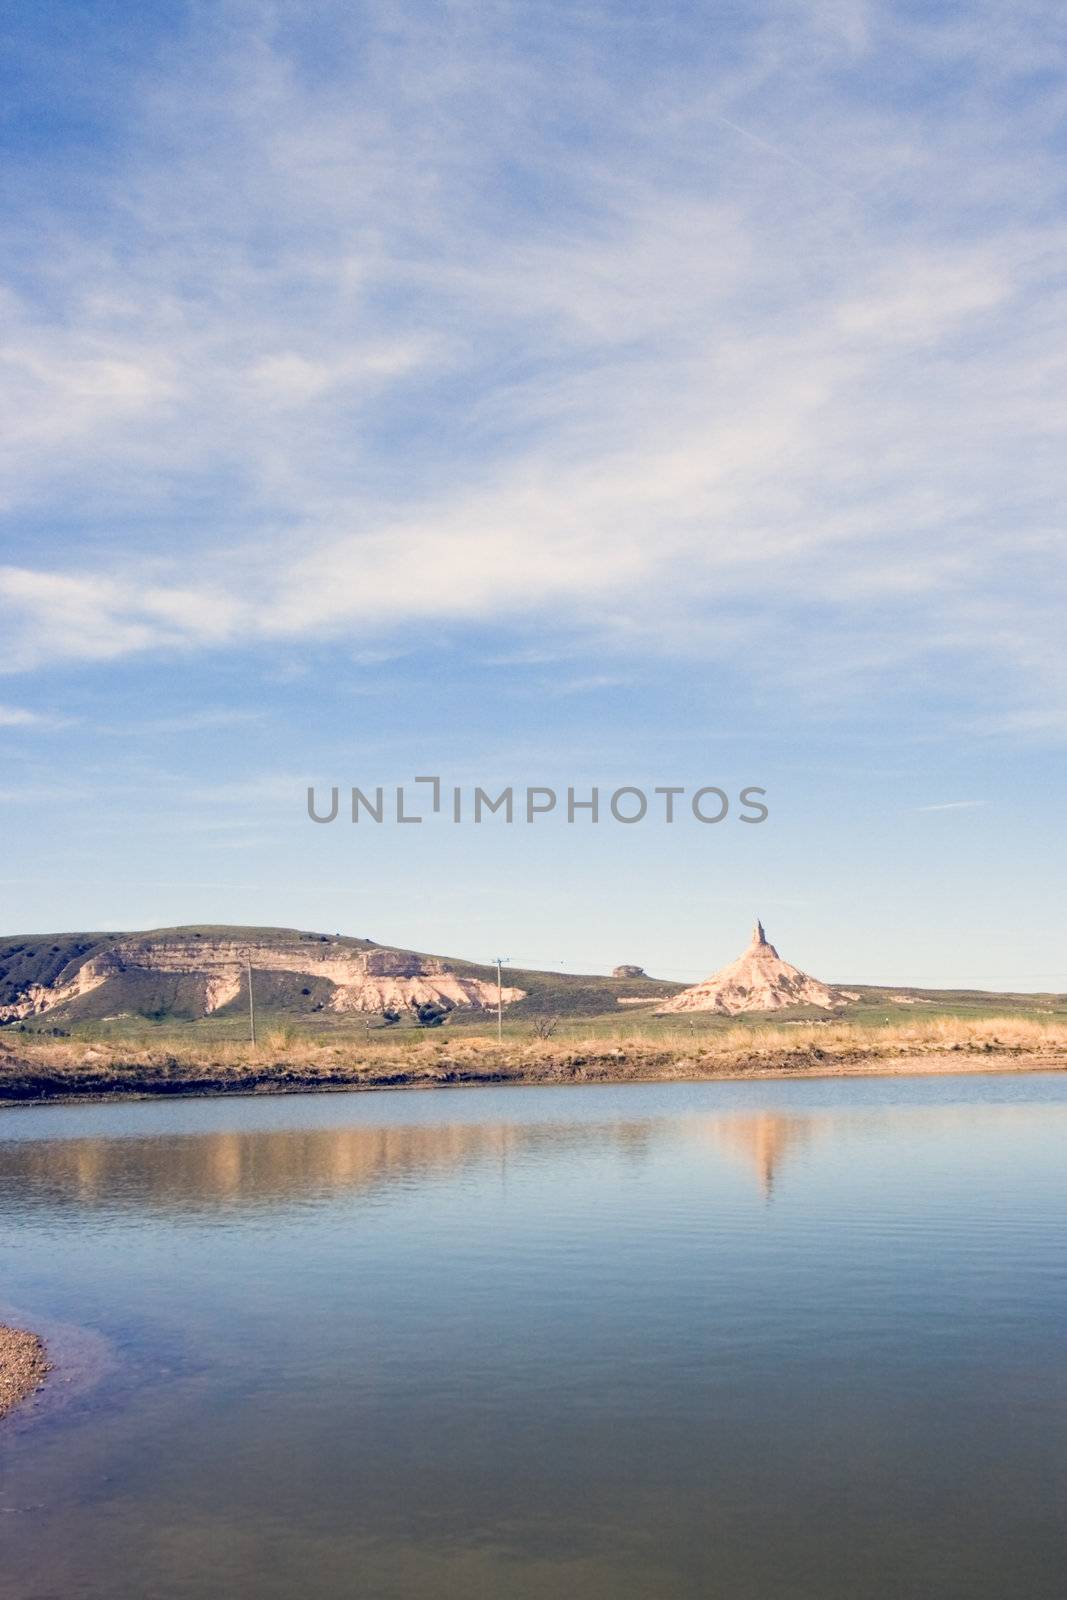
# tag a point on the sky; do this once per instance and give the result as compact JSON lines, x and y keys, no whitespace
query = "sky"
{"x":540,"y":394}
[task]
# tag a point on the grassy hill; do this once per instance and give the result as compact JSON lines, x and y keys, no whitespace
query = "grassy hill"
{"x":138,"y":1000}
{"x":132,"y":998}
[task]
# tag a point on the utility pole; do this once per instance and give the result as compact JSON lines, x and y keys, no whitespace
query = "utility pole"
{"x":251,"y":1002}
{"x":500,"y":960}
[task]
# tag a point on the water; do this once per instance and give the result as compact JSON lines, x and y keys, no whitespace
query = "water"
{"x":759,"y":1341}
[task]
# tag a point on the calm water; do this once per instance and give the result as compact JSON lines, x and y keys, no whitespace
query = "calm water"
{"x":749,"y":1341}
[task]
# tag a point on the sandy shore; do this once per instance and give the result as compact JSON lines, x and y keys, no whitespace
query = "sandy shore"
{"x":35,"y":1081}
{"x":23,"y":1366}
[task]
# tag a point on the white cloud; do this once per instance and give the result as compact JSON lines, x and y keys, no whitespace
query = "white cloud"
{"x":403,"y":342}
{"x":36,"y":721}
{"x":954,"y":805}
{"x":590,"y":684}
{"x":206,"y":720}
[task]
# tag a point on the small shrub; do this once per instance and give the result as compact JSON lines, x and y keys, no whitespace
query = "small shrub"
{"x":428,"y":1014}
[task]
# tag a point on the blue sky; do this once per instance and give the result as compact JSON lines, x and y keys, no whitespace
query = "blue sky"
{"x":540,"y":394}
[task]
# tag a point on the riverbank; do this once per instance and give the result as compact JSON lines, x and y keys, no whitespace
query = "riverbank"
{"x":51,"y":1071}
{"x":23,"y":1366}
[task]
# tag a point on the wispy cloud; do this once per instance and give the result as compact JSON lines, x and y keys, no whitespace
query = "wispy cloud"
{"x":483,"y":316}
{"x":16,"y":717}
{"x":590,"y":683}
{"x":954,"y":805}
{"x":207,"y":720}
{"x":40,"y":721}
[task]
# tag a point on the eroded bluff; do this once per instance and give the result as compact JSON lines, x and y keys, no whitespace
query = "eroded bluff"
{"x":357,"y":980}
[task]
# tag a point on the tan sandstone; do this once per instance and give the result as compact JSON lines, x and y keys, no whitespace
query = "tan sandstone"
{"x":759,"y":980}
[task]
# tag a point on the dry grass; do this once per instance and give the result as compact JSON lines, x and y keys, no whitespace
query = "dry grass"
{"x":929,"y":1033}
{"x":285,"y":1059}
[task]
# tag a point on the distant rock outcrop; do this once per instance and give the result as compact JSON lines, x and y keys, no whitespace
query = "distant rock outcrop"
{"x":757,"y":981}
{"x":627,"y":971}
{"x":371,"y":980}
{"x":53,"y":982}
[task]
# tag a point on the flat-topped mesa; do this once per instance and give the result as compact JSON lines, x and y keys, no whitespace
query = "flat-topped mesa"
{"x":759,"y":980}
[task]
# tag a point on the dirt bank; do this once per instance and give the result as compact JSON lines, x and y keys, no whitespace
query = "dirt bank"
{"x":23,"y":1366}
{"x":99,"y":1075}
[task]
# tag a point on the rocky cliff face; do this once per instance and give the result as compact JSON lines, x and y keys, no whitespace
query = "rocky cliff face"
{"x":759,"y":980}
{"x":357,"y":980}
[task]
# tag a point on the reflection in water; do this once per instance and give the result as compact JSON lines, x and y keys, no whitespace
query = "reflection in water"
{"x":265,"y":1167}
{"x":546,"y":1342}
{"x":273,"y":1166}
{"x":242,"y":1168}
{"x":765,"y":1139}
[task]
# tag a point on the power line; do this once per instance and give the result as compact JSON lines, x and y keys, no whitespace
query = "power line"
{"x":499,"y":963}
{"x":251,"y":1002}
{"x":866,"y":983}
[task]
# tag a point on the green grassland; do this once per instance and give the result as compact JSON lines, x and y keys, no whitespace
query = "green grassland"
{"x":165,"y":1008}
{"x":231,"y":1025}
